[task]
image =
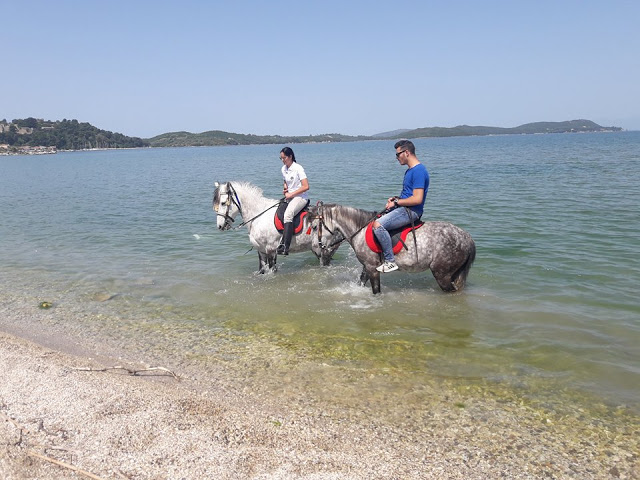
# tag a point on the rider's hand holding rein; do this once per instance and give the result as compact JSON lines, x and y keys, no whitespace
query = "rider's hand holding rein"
{"x":303,"y":188}
{"x":390,"y":205}
{"x":416,"y":198}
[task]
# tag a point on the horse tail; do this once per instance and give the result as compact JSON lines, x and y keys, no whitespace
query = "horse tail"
{"x":459,"y":278}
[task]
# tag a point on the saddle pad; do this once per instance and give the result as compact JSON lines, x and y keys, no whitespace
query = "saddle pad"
{"x":298,"y":222}
{"x":398,"y":237}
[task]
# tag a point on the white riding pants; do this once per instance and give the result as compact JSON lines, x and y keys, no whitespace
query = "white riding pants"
{"x":295,"y":204}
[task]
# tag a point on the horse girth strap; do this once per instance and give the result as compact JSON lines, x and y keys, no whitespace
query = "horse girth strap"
{"x":413,"y":231}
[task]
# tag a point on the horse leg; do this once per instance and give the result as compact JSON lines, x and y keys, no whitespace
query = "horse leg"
{"x":374,"y":277}
{"x":451,"y":273}
{"x":444,"y":280}
{"x":445,"y":275}
{"x":459,"y":279}
{"x":262,"y":258}
{"x":364,"y":277}
{"x":325,"y":258}
{"x":272,"y":262}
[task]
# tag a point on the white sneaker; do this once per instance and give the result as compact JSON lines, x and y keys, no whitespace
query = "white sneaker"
{"x":387,"y":267}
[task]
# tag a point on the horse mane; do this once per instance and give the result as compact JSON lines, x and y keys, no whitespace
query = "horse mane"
{"x":253,"y":191}
{"x":357,"y":217}
{"x":248,"y":188}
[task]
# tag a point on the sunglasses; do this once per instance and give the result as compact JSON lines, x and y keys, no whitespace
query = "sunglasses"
{"x":400,"y":153}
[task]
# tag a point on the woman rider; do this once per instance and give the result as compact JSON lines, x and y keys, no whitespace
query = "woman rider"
{"x":295,"y":191}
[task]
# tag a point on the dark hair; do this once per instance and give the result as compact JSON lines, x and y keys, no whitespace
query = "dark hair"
{"x":407,"y":145}
{"x":288,"y":153}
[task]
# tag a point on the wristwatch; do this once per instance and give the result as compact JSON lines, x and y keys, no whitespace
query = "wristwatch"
{"x":395,"y":201}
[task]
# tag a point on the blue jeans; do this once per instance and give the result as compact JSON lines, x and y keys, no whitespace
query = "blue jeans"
{"x":396,"y":218}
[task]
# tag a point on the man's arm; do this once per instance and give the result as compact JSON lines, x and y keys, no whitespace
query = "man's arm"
{"x":415,"y":199}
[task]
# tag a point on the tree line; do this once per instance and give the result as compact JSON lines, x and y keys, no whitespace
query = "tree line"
{"x":73,"y":135}
{"x":63,"y":134}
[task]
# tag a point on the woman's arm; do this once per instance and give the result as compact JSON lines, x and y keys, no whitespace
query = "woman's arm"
{"x":300,"y":191}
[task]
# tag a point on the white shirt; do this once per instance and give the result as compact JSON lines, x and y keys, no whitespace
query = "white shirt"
{"x":293,"y":177}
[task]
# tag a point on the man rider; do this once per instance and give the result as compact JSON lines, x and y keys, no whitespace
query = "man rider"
{"x":405,"y":209}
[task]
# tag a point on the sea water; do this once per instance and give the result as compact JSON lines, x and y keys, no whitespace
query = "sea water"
{"x":125,"y":244}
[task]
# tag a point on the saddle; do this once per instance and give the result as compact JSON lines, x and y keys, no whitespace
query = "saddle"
{"x":398,"y":237}
{"x":298,"y":223}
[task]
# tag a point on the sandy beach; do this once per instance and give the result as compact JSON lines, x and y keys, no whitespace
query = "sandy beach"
{"x":111,"y":424}
{"x":67,"y":414}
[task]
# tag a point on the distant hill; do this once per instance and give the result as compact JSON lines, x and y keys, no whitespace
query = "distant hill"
{"x":392,"y":134}
{"x":571,"y":126}
{"x":217,"y":137}
{"x":22,"y":134}
{"x":63,"y":135}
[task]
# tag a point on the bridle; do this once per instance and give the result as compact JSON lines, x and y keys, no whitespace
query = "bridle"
{"x":230,"y":197}
{"x":321,"y":224}
{"x":226,"y":199}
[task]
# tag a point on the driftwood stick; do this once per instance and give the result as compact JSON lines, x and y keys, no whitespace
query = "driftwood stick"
{"x":11,"y":420}
{"x":15,"y":424}
{"x":31,"y":453}
{"x":129,"y":370}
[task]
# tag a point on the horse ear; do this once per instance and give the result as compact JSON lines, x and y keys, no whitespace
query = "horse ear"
{"x":216,"y":184}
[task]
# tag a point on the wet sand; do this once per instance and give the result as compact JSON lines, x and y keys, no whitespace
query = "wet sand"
{"x":60,"y":411}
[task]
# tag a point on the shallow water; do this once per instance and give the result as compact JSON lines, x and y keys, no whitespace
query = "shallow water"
{"x":125,"y":243}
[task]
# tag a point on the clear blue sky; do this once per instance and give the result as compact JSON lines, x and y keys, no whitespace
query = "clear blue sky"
{"x":300,"y":67}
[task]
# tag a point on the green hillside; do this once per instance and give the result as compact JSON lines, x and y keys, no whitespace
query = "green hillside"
{"x":63,"y":135}
{"x":571,"y":126}
{"x":22,"y":134}
{"x":217,"y":137}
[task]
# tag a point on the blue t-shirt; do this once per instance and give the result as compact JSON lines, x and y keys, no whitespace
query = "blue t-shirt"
{"x":415,"y":177}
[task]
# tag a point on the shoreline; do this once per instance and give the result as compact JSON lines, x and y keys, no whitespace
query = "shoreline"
{"x":115,"y":425}
{"x":356,"y":139}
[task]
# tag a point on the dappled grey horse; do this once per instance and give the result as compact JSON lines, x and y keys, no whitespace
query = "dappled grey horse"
{"x":233,"y":198}
{"x":446,"y":250}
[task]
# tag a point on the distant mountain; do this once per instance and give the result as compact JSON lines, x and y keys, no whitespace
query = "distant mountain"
{"x":571,"y":126}
{"x":391,"y":134}
{"x":19,"y":136}
{"x":218,"y":137}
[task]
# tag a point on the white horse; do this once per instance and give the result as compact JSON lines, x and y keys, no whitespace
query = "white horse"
{"x":233,"y":198}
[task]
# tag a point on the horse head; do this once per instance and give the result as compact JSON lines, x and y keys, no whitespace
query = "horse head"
{"x":226,"y":204}
{"x":340,"y":222}
{"x":326,"y":239}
